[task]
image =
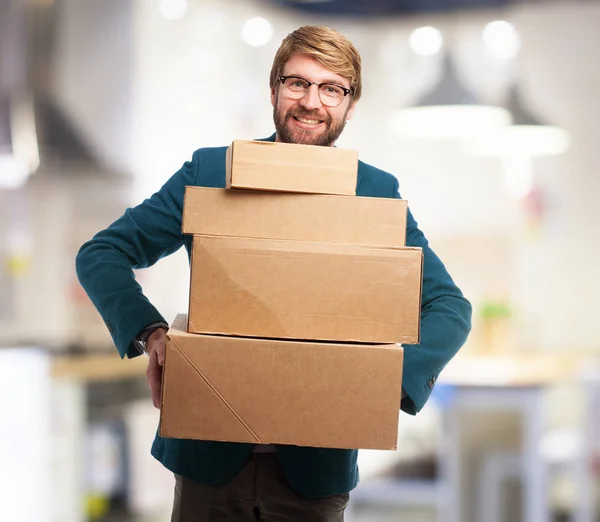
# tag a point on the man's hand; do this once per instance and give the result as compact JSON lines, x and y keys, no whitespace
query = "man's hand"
{"x":155,"y":345}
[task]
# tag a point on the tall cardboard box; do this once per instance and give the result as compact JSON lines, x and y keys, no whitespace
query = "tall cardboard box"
{"x":273,"y":391}
{"x":305,"y":290}
{"x":265,"y":165}
{"x":300,"y":217}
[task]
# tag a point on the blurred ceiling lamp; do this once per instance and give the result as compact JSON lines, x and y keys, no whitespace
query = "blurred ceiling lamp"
{"x":501,"y":40}
{"x":257,"y":31}
{"x":519,"y":143}
{"x":448,"y":111}
{"x":527,"y":136}
{"x":19,"y":155}
{"x":426,"y":41}
{"x":173,"y":9}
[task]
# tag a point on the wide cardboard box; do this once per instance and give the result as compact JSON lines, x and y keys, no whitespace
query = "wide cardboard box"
{"x":302,"y":217}
{"x":287,"y":167}
{"x":239,"y":389}
{"x":305,"y":290}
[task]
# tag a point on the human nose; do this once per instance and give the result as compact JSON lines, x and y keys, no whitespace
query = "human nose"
{"x":311,"y":100}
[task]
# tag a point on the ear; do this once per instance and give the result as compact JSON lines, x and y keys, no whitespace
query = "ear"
{"x":273,"y":97}
{"x":351,"y":110}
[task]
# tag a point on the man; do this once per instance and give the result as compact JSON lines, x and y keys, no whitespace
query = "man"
{"x":315,"y":86}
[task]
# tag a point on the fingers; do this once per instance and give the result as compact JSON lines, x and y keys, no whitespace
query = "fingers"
{"x":154,"y":377}
{"x":160,"y":352}
{"x":156,"y":396}
{"x":156,"y":344}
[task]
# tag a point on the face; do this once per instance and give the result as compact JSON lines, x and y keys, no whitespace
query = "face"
{"x":307,"y":120}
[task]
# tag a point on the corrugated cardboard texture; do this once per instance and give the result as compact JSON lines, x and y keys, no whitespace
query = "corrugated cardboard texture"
{"x":287,"y":167}
{"x":302,"y":290}
{"x":265,"y":391}
{"x":303,"y":217}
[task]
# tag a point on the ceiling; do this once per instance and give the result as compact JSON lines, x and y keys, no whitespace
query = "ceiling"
{"x":376,"y":8}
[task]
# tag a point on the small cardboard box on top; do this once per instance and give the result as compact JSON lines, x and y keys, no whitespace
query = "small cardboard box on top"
{"x":298,"y":266}
{"x":265,"y":165}
{"x":238,"y":389}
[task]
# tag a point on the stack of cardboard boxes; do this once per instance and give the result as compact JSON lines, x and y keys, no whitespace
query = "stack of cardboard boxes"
{"x":299,"y":294}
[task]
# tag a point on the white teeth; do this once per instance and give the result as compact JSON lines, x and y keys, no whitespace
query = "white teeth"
{"x":311,"y":122}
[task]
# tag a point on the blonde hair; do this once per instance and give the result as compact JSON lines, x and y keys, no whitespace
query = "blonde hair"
{"x":330,"y":48}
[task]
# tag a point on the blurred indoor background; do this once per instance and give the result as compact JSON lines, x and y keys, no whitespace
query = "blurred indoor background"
{"x":487,"y":111}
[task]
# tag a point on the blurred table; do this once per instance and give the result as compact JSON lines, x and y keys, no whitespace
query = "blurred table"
{"x":97,"y":367}
{"x":510,"y":371}
{"x":498,"y":384}
{"x":485,"y":384}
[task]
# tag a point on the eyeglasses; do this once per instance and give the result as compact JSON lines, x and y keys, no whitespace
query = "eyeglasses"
{"x":330,"y":94}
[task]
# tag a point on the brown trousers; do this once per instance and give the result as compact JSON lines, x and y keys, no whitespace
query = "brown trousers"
{"x":259,"y":492}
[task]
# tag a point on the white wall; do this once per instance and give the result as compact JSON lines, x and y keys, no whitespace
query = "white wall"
{"x":161,"y":89}
{"x":189,"y":102}
{"x":556,"y":281}
{"x":93,"y":75}
{"x":48,"y":220}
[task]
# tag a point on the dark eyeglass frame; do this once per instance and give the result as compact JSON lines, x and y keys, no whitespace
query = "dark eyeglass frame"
{"x":346,"y":91}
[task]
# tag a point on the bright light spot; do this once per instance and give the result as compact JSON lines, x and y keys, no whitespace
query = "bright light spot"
{"x":426,"y":41}
{"x":14,"y":172}
{"x":447,"y":122}
{"x":521,"y":140}
{"x":501,"y":40}
{"x":173,"y":9}
{"x":257,"y":32}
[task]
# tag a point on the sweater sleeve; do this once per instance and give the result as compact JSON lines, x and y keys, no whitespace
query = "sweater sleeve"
{"x":138,"y":239}
{"x":445,"y":323}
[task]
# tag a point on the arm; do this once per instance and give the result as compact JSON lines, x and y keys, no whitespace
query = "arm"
{"x":445,"y":324}
{"x":138,"y":239}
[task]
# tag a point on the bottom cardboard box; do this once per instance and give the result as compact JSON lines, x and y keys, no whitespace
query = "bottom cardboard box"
{"x":255,"y":390}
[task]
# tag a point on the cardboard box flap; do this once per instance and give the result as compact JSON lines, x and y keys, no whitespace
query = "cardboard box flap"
{"x":179,"y":324}
{"x":263,"y":247}
{"x":285,"y":155}
{"x":214,"y":405}
{"x":178,"y":332}
{"x":302,"y":217}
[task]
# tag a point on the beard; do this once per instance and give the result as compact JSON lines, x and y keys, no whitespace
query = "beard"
{"x":326,"y":138}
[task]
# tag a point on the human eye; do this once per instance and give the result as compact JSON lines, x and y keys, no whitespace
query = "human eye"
{"x":333,"y":90}
{"x":296,"y":83}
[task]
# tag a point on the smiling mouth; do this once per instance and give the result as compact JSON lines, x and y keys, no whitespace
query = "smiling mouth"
{"x":307,"y":121}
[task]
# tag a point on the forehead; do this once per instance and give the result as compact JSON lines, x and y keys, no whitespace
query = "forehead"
{"x":307,"y":67}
